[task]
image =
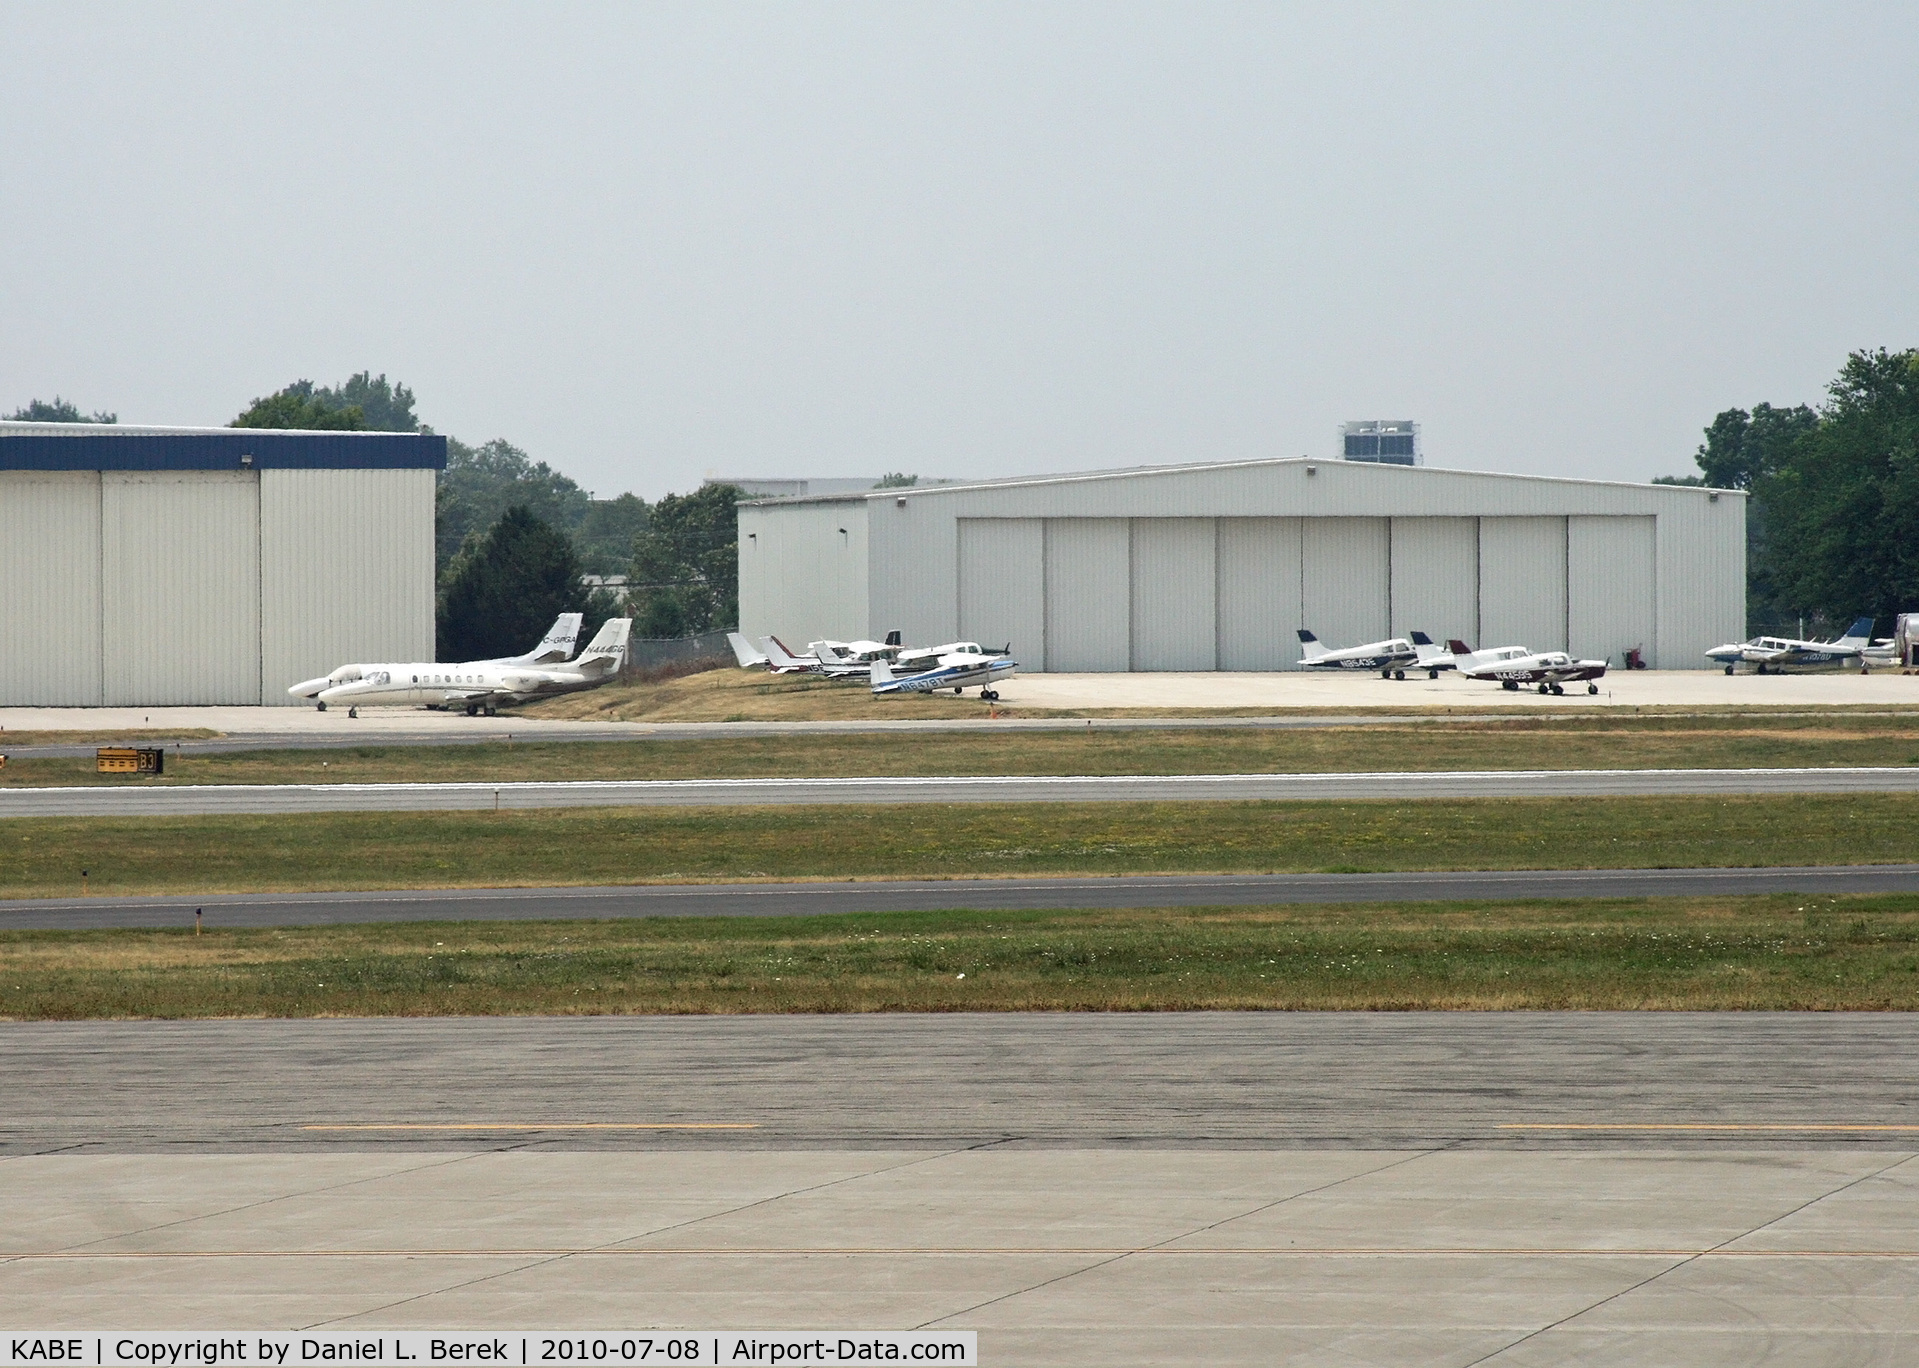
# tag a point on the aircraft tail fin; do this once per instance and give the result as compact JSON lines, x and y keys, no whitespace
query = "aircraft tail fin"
{"x":782,"y":658}
{"x":1307,"y":637}
{"x":1458,"y":647}
{"x":893,"y":638}
{"x":828,"y":654}
{"x":561,"y":639}
{"x":881,"y":673}
{"x":608,"y":644}
{"x":1859,"y":634}
{"x":745,"y":652}
{"x":1423,"y":648}
{"x":1421,"y":639}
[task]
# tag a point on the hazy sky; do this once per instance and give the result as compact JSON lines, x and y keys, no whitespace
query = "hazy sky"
{"x":652,"y":242}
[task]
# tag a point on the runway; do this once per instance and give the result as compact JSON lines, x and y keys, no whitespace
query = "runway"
{"x":1180,"y":1080}
{"x":1570,"y":785}
{"x":817,"y":899}
{"x":1251,"y":1188}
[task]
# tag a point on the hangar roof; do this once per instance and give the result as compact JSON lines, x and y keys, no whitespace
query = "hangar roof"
{"x":1192,"y":467}
{"x":113,"y":446}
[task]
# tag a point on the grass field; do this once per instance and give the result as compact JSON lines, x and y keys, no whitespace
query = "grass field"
{"x":1855,"y":953}
{"x":42,"y":857}
{"x":1585,"y":742}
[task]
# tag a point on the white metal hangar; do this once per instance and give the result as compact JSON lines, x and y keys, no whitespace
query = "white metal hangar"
{"x":143,"y":565}
{"x":1216,"y":566}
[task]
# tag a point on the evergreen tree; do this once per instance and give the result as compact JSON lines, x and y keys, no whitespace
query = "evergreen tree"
{"x":505,"y":587}
{"x":59,"y":411}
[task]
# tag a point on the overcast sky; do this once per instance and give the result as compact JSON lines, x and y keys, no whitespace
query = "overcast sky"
{"x":652,"y":242}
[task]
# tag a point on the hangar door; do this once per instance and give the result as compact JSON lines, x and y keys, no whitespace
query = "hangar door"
{"x":1344,"y":578}
{"x":1088,"y":597}
{"x":1002,"y":586}
{"x":1522,"y":583}
{"x":1609,"y":587}
{"x":1436,"y":578}
{"x":1258,"y":593}
{"x":1174,"y":571}
{"x":180,"y":586}
{"x":50,"y":565}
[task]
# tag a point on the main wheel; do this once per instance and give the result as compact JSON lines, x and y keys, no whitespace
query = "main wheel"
{"x":1385,"y":674}
{"x":1592,"y":688}
{"x":1558,"y":689}
{"x":1399,"y":674}
{"x":958,"y":690}
{"x":1432,"y":674}
{"x":1729,"y":669}
{"x":1545,"y":688}
{"x":352,"y":712}
{"x":1512,"y":684}
{"x":320,"y":706}
{"x":473,"y":710}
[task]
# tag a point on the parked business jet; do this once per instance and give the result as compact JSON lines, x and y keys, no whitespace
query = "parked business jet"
{"x":956,"y":670}
{"x":1550,"y":670}
{"x":1780,"y":655}
{"x":555,"y":647}
{"x":481,"y":686}
{"x":1390,"y":658}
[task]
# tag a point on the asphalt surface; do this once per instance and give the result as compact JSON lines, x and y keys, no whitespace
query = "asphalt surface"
{"x":1571,"y":785}
{"x":815,"y":899}
{"x":1226,"y":1080}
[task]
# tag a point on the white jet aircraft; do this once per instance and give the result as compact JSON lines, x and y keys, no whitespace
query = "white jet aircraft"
{"x":1390,"y":658}
{"x":1779,"y":655}
{"x":1550,"y":670}
{"x":555,"y":647}
{"x":956,"y":670}
{"x":481,"y":686}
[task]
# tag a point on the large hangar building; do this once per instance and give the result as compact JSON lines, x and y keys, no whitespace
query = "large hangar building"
{"x":1216,"y":566}
{"x":153,"y":566}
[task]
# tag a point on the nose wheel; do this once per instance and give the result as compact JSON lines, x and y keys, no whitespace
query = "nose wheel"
{"x":352,"y":712}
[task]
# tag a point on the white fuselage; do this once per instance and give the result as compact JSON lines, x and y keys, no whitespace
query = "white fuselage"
{"x":1377,"y":655}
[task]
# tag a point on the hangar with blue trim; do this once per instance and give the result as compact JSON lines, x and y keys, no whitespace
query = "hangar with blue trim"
{"x":156,"y":566}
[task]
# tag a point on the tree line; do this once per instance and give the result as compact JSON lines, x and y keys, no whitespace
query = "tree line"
{"x":1834,"y":493}
{"x":513,"y":537}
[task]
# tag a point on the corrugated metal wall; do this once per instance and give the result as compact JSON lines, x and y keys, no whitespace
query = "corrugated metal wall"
{"x":180,"y":586}
{"x":346,"y":571}
{"x":1522,"y":583}
{"x":1436,"y":578}
{"x":1609,"y":587}
{"x":198,"y":587}
{"x":1002,"y":586}
{"x":1258,"y":593}
{"x":810,"y":582}
{"x":1345,"y":576}
{"x":1356,"y":552}
{"x":1088,"y":596}
{"x":49,"y":588}
{"x":1174,"y":573}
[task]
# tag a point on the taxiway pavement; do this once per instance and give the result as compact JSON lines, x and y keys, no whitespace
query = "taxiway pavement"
{"x":1569,"y":785}
{"x":904,"y":895}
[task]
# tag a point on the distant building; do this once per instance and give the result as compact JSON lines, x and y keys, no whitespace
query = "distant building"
{"x":1382,"y":441}
{"x":802,"y":487}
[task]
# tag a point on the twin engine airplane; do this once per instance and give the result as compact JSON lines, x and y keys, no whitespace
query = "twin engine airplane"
{"x":1779,"y":655}
{"x":479,"y":686}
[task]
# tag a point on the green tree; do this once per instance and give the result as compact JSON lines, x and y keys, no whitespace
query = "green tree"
{"x":605,"y":535}
{"x":1842,"y":496}
{"x":686,"y":565}
{"x":59,"y":411}
{"x":300,"y":406}
{"x":364,"y":403}
{"x":893,"y":479}
{"x":505,"y":587}
{"x":480,"y":483}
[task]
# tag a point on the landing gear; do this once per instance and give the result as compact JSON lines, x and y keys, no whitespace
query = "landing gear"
{"x":958,"y":690}
{"x":489,"y":711}
{"x":320,"y":706}
{"x":1729,"y":669}
{"x":990,"y":695}
{"x":1558,"y":689}
{"x":1399,"y":674}
{"x":1592,"y":688}
{"x":352,"y":712}
{"x":473,"y":710}
{"x":1545,"y":688}
{"x":1386,"y":674}
{"x":1432,"y":674}
{"x":1512,"y":684}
